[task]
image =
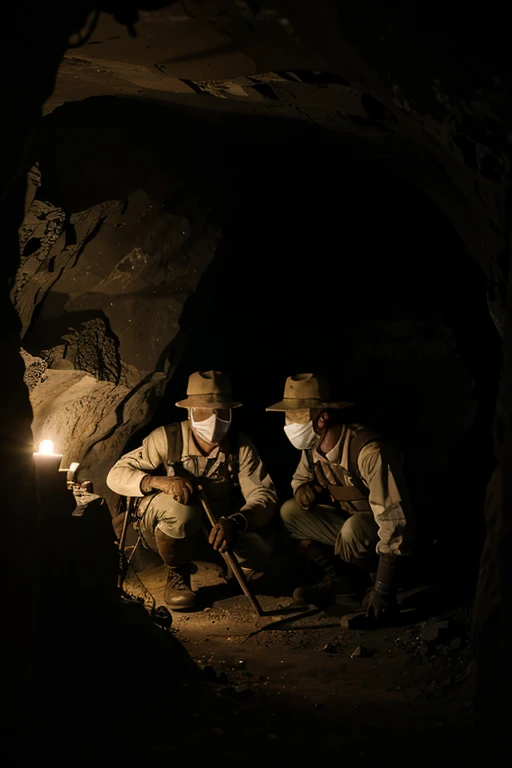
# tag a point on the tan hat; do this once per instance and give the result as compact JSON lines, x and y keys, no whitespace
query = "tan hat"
{"x":208,"y":389}
{"x":307,"y":390}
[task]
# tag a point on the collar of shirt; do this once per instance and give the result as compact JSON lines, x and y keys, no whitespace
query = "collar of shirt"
{"x":337,"y":454}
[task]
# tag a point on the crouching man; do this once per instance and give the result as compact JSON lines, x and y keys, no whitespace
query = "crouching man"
{"x":204,"y":447}
{"x":365,"y":524}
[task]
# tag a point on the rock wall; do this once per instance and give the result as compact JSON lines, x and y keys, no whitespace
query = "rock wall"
{"x":100,"y":294}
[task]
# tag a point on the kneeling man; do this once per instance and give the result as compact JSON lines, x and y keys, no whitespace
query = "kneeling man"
{"x":366,"y":521}
{"x":162,"y":474}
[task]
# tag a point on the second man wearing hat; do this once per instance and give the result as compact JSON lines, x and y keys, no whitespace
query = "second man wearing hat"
{"x":238,"y":487}
{"x":365,"y":520}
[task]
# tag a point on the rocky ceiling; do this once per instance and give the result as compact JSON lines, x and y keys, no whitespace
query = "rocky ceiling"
{"x":397,"y":97}
{"x":399,"y":83}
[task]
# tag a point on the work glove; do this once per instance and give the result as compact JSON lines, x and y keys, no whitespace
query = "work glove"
{"x":180,"y":489}
{"x":380,"y":599}
{"x":223,"y":534}
{"x":305,"y":495}
{"x":376,"y":605}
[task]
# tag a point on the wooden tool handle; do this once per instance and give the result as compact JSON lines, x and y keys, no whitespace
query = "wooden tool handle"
{"x":240,"y":577}
{"x":230,"y":559}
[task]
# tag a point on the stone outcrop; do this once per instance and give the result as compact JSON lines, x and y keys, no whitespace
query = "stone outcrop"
{"x":100,"y":294}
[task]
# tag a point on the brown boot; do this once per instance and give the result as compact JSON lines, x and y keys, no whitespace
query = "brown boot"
{"x":178,"y":593}
{"x":332,"y":585}
{"x":337,"y":579}
{"x":176,"y":554}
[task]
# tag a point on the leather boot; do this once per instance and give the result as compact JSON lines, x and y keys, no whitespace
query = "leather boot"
{"x":337,"y":578}
{"x":176,"y":554}
{"x":178,"y":593}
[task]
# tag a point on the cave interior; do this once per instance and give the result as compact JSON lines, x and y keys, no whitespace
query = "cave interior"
{"x":189,"y":203}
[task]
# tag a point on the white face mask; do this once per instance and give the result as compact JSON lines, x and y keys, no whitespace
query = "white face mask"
{"x":301,"y":436}
{"x":213,"y":429}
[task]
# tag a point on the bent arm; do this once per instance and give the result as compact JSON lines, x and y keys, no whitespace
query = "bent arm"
{"x":129,"y":472}
{"x":302,"y":474}
{"x":256,"y":486}
{"x":388,"y":499}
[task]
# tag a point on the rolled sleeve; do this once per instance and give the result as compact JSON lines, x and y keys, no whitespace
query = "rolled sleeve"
{"x":388,"y":499}
{"x":126,"y":475}
{"x":302,"y":474}
{"x":255,"y":483}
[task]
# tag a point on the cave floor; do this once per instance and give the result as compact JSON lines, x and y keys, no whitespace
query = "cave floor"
{"x":296,"y":693}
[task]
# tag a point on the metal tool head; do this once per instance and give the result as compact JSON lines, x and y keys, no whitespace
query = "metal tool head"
{"x":277,"y":620}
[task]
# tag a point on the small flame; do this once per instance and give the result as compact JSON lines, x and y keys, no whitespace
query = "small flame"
{"x":46,"y":447}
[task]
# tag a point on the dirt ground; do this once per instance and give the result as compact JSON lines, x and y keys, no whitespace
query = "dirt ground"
{"x":307,"y":690}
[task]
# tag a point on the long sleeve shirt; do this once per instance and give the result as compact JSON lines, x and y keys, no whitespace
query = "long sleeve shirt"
{"x":381,"y":473}
{"x":255,"y":483}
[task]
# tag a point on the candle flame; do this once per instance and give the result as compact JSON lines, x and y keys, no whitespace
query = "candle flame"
{"x":46,"y":447}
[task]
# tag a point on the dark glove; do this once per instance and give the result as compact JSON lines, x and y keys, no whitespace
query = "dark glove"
{"x":305,"y":495}
{"x":381,"y":597}
{"x":223,"y":534}
{"x":180,"y":489}
{"x":376,"y":605}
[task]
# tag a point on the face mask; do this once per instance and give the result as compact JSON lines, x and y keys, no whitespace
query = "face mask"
{"x":213,"y":429}
{"x":301,"y":436}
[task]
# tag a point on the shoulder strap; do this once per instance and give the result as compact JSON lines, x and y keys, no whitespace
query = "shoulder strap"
{"x":309,"y":459}
{"x":360,"y":436}
{"x":232,"y":461}
{"x":174,"y":442}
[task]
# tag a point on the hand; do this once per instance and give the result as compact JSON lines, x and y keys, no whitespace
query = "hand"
{"x":305,"y":495}
{"x":222,"y":534}
{"x":180,"y":489}
{"x":375,"y":604}
{"x":83,"y":493}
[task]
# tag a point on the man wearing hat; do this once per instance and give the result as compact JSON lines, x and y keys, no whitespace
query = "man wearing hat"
{"x":161,"y":474}
{"x":350,"y":513}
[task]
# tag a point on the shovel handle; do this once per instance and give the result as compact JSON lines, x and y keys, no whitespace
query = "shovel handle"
{"x":240,"y":577}
{"x":230,"y":559}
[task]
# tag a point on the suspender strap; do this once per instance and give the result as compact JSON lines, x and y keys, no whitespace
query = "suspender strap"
{"x":174,"y":442}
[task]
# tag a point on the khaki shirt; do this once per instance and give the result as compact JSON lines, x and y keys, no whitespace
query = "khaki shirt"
{"x":255,"y":483}
{"x":381,"y":473}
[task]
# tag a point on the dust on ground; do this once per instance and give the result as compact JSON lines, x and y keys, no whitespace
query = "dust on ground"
{"x":307,"y":689}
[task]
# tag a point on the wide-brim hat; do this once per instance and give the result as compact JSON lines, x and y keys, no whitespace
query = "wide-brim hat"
{"x":307,"y":390}
{"x":208,"y":389}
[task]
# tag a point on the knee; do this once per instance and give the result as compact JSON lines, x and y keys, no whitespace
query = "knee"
{"x":192,"y":521}
{"x":290,"y":512}
{"x":175,"y":519}
{"x":354,"y":541}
